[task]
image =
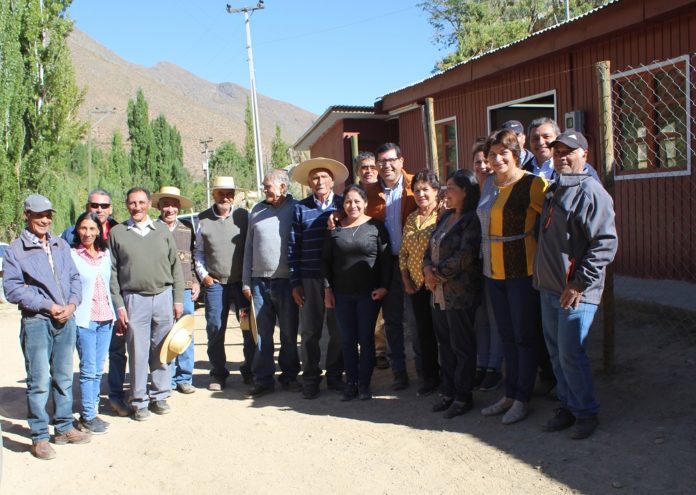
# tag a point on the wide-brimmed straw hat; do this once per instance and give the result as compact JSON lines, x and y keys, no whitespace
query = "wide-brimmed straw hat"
{"x":300,"y":173}
{"x":172,"y":192}
{"x":223,"y":182}
{"x":178,"y":339}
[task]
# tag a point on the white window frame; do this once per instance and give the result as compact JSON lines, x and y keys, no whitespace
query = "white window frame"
{"x":522,"y":100}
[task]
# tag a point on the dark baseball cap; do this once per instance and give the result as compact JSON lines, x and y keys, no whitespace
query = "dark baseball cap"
{"x":36,"y":203}
{"x":572,"y":139}
{"x":514,"y":125}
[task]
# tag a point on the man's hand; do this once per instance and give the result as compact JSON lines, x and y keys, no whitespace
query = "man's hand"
{"x":247,"y":293}
{"x":329,"y":299}
{"x":208,"y":281}
{"x":178,"y":310}
{"x":298,"y":295}
{"x":62,"y":313}
{"x":379,"y":294}
{"x":570,"y":298}
{"x":122,"y":321}
{"x":195,"y":291}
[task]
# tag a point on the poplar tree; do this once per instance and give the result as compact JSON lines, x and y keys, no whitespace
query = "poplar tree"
{"x":280,"y":156}
{"x":140,"y":135}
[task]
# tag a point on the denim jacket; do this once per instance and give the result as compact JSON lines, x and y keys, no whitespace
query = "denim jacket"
{"x":29,"y":281}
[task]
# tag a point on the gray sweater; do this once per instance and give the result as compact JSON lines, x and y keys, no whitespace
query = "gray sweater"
{"x":577,"y":237}
{"x":266,"y":249}
{"x":219,"y":247}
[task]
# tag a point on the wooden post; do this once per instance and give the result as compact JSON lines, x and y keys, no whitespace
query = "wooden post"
{"x":354,"y":150}
{"x":431,"y":138}
{"x":606,"y":139}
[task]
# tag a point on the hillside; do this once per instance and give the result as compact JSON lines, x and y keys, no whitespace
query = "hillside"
{"x":198,"y":108}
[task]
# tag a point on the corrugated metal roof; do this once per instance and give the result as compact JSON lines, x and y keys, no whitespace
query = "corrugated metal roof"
{"x":330,"y":116}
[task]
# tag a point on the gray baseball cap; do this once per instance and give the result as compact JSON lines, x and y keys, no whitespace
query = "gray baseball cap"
{"x":36,"y":203}
{"x":572,"y":139}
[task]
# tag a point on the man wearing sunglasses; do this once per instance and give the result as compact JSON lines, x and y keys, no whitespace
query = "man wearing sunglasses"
{"x":99,"y":202}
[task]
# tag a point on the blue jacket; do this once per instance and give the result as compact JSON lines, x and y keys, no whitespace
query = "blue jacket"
{"x":29,"y":281}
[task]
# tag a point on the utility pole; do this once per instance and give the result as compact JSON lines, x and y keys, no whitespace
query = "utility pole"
{"x":206,"y":169}
{"x":252,"y":84}
{"x":104,"y":112}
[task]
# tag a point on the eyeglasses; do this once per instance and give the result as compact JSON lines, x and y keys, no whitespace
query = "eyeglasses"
{"x":387,"y":161}
{"x":368,"y":167}
{"x":103,"y":206}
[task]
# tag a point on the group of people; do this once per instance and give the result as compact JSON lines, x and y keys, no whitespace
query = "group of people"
{"x":509,"y":255}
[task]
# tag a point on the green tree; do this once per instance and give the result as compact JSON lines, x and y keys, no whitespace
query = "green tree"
{"x":142,"y":165}
{"x":249,"y":147}
{"x":280,"y":156}
{"x":472,"y":27}
{"x":227,"y":160}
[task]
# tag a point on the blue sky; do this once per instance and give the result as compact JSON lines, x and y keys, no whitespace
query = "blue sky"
{"x":311,"y":53}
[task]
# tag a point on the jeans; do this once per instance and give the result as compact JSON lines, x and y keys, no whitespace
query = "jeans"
{"x":356,"y":315}
{"x":489,"y":347}
{"x":218,"y":300}
{"x":48,"y":359}
{"x":92,"y":346}
{"x":565,"y":331}
{"x":456,"y":338}
{"x":515,"y":304}
{"x":273,"y":300}
{"x":182,"y":366}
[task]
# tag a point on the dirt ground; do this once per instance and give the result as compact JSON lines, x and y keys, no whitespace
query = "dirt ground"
{"x":281,"y":443}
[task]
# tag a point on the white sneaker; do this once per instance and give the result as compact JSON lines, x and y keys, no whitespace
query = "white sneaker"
{"x":517,"y":412}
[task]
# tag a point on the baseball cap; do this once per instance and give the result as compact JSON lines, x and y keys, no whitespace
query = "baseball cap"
{"x":514,"y":125}
{"x":572,"y":139}
{"x":36,"y":203}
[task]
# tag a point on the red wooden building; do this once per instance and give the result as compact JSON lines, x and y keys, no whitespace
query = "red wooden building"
{"x":651,"y":46}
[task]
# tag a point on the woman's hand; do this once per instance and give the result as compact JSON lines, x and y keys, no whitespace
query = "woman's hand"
{"x":329,"y":299}
{"x":409,"y":284}
{"x":379,"y":294}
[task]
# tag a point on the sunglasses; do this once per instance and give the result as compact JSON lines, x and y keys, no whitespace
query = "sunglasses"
{"x":103,"y":206}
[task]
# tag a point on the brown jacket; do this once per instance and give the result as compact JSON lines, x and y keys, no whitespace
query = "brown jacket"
{"x":376,"y":203}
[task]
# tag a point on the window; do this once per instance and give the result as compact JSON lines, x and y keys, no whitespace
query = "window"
{"x":651,"y":115}
{"x":446,"y":135}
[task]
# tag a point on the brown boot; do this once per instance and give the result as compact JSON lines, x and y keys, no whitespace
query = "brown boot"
{"x":43,"y":450}
{"x":72,"y":436}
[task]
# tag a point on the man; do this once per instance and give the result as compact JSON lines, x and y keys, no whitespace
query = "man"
{"x":147,"y":287}
{"x":99,"y":202}
{"x":366,"y":171}
{"x":517,"y":127}
{"x":266,"y":278}
{"x":309,"y":226}
{"x":41,"y":278}
{"x":218,"y":257}
{"x":577,"y":240}
{"x":169,"y":202}
{"x":542,"y":132}
{"x":390,"y":200}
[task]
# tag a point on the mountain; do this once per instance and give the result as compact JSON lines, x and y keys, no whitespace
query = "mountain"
{"x":198,"y":108}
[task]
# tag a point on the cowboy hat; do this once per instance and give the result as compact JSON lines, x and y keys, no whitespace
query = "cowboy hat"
{"x":223,"y":182}
{"x":301,"y":172}
{"x":172,"y":192}
{"x":178,"y":339}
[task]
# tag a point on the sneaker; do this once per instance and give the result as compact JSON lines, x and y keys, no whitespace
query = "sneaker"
{"x":43,"y":450}
{"x":427,"y":388}
{"x":291,"y":386}
{"x":310,"y":390}
{"x":350,"y":392}
{"x":517,"y":412}
{"x":491,"y":380}
{"x":364,"y":392}
{"x":584,"y":427}
{"x":458,"y":408}
{"x":498,"y":408}
{"x":185,"y":388}
{"x":562,"y":419}
{"x":258,"y":391}
{"x":142,"y":414}
{"x":72,"y":436}
{"x":91,"y":426}
{"x":216,"y":384}
{"x":160,"y":407}
{"x":381,"y":363}
{"x":119,"y":407}
{"x":400,"y":380}
{"x":443,"y":404}
{"x":478,"y":377}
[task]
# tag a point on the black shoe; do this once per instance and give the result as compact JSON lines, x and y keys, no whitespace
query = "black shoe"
{"x":248,"y":378}
{"x":350,"y":392}
{"x":543,"y":386}
{"x":381,"y":363}
{"x":335,"y":384}
{"x":427,"y":388}
{"x":562,"y":419}
{"x":457,"y":409}
{"x":400,"y":380}
{"x":584,"y":427}
{"x":478,"y":377}
{"x":491,"y":380}
{"x":443,"y":404}
{"x":364,"y":392}
{"x":310,"y":390}
{"x":291,"y":386}
{"x":160,"y":407}
{"x":259,"y":390}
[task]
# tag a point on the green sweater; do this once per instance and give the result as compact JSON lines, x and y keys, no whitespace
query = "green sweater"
{"x":146,"y":265}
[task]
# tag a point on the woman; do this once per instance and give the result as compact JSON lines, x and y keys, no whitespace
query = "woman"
{"x":452,"y":272}
{"x":510,"y":205}
{"x":356,"y":265}
{"x":489,"y":348}
{"x":94,"y":317}
{"x":417,"y":231}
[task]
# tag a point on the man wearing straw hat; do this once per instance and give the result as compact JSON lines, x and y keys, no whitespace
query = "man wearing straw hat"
{"x":305,"y":247}
{"x":218,"y":257}
{"x":169,"y":201}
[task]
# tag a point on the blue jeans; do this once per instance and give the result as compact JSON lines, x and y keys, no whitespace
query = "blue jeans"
{"x":182,"y":366}
{"x":273,"y":300}
{"x":92,"y":346}
{"x":218,"y":301}
{"x":356,"y":315}
{"x":565,"y":331}
{"x":48,"y":359}
{"x":489,"y":347}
